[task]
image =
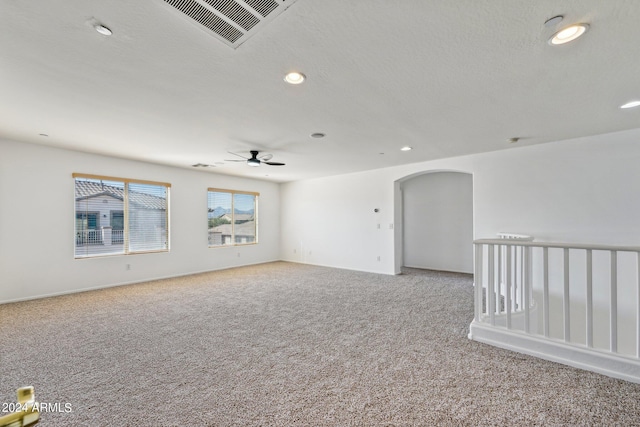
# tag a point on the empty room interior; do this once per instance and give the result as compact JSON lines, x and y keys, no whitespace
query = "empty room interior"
{"x":298,"y":212}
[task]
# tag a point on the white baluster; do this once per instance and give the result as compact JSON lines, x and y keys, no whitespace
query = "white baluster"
{"x":589,"y":307}
{"x":613,"y":311}
{"x":565,"y":298}
{"x":545,"y":291}
{"x":499,"y":281}
{"x":478,"y":282}
{"x":507,"y":302}
{"x":527,"y":288}
{"x":491,"y":285}
{"x":638,"y":308}
{"x":522,"y":276}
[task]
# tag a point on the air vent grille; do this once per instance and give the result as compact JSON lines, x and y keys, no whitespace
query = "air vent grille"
{"x":231,"y":21}
{"x":263,"y":7}
{"x":235,"y":12}
{"x":207,"y":18}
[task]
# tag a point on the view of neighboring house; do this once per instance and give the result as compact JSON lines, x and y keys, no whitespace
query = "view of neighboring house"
{"x":239,"y":217}
{"x":99,"y":211}
{"x":245,"y":232}
{"x":228,"y":233}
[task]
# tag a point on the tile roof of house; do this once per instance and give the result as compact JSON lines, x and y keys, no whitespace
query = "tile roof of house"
{"x":88,"y":189}
{"x":238,"y":216}
{"x":242,"y":229}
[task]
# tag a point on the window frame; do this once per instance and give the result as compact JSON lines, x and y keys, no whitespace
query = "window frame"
{"x":125,"y":209}
{"x":256,"y":197}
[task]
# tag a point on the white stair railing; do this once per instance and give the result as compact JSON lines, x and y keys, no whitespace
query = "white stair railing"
{"x":552,"y":300}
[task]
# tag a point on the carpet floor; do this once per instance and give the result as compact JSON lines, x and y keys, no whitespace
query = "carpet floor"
{"x":284,"y":344}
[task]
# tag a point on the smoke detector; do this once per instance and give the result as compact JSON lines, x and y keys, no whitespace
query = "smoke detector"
{"x":230,"y":21}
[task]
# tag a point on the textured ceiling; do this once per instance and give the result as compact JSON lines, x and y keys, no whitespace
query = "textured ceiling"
{"x":445,"y":77}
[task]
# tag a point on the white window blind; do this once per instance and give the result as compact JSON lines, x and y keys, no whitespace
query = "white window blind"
{"x":147,"y":217}
{"x":232,"y":217}
{"x":119,"y":216}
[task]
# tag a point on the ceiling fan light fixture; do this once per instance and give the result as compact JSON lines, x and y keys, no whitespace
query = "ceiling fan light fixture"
{"x":294,"y":78}
{"x":568,"y":34}
{"x":253,"y":162}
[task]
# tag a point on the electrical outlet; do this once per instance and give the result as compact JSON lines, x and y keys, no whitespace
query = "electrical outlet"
{"x":295,"y":251}
{"x":378,"y":257}
{"x":238,"y":254}
{"x":127,"y":267}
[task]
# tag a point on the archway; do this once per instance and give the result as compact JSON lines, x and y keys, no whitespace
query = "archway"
{"x":436,"y":212}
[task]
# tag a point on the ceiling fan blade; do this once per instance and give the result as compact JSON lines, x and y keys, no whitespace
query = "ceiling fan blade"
{"x":255,"y":159}
{"x":230,"y":152}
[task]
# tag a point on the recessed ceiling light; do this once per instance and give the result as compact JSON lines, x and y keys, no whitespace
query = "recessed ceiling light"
{"x":294,"y":78}
{"x":43,"y":134}
{"x":202,"y":165}
{"x":568,"y":34}
{"x":631,"y":104}
{"x":514,"y":140}
{"x":406,"y":148}
{"x":103,"y":30}
{"x":318,"y":135}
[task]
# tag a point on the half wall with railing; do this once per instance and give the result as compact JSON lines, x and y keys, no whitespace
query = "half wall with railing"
{"x":576,"y":304}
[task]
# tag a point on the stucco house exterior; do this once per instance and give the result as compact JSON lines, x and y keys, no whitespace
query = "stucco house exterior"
{"x":100,"y":221}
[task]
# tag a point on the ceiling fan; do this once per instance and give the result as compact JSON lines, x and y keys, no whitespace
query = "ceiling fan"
{"x":254,"y":160}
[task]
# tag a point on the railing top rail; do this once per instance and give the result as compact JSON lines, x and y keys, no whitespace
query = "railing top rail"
{"x":592,"y":246}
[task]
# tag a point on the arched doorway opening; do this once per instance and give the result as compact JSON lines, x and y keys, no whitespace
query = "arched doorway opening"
{"x":436,"y":212}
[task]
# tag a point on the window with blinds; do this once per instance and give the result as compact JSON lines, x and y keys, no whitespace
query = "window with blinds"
{"x":120,"y":216}
{"x":232,"y":217}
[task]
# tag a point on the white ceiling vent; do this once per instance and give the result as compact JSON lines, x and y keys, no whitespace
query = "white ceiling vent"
{"x":230,"y":21}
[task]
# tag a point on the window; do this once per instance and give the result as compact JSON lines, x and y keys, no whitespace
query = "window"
{"x":117,"y":226}
{"x":87,"y":228}
{"x":232,"y":217}
{"x":120,"y":216}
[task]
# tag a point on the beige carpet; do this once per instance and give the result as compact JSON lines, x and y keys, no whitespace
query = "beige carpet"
{"x":288,"y":345}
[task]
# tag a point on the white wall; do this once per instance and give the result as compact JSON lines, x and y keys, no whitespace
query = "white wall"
{"x":37,"y":223}
{"x":438,"y":221}
{"x":580,"y":190}
{"x":332,"y":222}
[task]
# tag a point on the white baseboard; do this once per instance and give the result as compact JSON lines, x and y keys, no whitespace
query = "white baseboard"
{"x":339,"y":267}
{"x":613,"y":365}
{"x":446,"y":270}
{"x":132,"y":282}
